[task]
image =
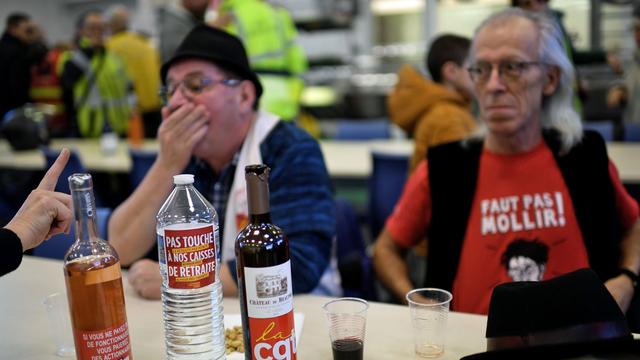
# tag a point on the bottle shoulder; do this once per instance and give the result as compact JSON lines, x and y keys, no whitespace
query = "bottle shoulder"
{"x":186,"y":204}
{"x":83,"y":263}
{"x":261,"y":236}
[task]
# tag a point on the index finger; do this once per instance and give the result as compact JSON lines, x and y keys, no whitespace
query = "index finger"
{"x":50,"y":179}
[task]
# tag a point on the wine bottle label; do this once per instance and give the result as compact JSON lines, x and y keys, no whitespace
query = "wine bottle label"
{"x":270,"y":309}
{"x":191,"y":257}
{"x":111,"y":343}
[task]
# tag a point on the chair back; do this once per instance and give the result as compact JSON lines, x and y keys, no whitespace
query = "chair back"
{"x":354,"y":264}
{"x":58,"y":245}
{"x":141,"y":161}
{"x":632,"y":132}
{"x":389,"y":173}
{"x":363,"y":129}
{"x":605,"y":128}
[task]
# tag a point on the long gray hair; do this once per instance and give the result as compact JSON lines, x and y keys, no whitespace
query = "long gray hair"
{"x":557,"y":109}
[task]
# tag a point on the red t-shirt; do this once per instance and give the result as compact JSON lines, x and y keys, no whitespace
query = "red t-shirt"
{"x":522,"y":224}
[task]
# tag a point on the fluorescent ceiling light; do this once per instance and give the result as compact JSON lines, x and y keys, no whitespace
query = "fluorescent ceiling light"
{"x":388,"y":7}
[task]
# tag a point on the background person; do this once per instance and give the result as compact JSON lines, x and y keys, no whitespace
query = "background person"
{"x":94,"y":82}
{"x":269,"y":36}
{"x":19,"y":50}
{"x":142,"y":63}
{"x":627,"y":95}
{"x":176,"y":21}
{"x":438,"y":111}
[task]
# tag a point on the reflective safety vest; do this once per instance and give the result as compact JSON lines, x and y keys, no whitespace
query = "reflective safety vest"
{"x":268,"y":34}
{"x":101,"y":94}
{"x":46,"y":88}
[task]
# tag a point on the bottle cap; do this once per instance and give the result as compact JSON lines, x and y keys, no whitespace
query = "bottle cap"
{"x":80,"y":181}
{"x":183,"y":179}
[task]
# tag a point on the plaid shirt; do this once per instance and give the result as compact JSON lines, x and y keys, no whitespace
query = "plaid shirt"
{"x":300,"y":196}
{"x":216,"y":187}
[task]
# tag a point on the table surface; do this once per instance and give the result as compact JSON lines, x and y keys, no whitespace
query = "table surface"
{"x":344,"y":159}
{"x":24,"y":333}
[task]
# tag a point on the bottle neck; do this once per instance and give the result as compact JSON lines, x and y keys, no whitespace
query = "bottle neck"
{"x":260,"y":218}
{"x":85,"y":214}
{"x":258,"y":196}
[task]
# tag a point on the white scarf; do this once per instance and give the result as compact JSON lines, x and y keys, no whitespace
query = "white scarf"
{"x":237,"y":203}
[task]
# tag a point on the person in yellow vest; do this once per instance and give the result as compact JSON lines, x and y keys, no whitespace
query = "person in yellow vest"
{"x":269,"y":35}
{"x":142,"y":62}
{"x":95,"y":84}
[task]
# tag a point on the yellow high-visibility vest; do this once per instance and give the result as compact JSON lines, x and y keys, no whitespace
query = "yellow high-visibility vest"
{"x":107,"y":98}
{"x":268,"y":34}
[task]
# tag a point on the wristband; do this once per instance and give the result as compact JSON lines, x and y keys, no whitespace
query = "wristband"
{"x":631,"y":275}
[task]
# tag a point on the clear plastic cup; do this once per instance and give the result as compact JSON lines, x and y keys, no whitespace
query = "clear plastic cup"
{"x":60,"y":324}
{"x":346,"y":319}
{"x":429,"y":309}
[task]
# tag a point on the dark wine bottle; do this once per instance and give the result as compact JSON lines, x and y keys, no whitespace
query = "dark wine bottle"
{"x":264,"y":276}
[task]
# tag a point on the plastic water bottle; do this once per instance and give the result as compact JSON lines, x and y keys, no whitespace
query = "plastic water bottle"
{"x":189,"y":255}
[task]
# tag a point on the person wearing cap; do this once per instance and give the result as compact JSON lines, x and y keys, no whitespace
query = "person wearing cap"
{"x":532,"y":175}
{"x":211,"y":128}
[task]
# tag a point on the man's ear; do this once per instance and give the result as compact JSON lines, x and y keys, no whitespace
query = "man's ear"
{"x":449,"y":71}
{"x":552,"y":80}
{"x":247,"y":96}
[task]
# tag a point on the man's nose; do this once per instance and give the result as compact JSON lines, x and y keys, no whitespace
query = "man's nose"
{"x":178,"y":98}
{"x":495,"y":82}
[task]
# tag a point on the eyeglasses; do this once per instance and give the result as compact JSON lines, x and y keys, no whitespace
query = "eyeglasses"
{"x":192,"y":86}
{"x":480,"y":72}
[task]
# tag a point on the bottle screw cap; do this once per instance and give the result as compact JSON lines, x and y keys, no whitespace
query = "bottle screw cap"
{"x":183,"y":179}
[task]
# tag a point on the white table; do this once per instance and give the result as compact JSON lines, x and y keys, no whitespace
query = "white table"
{"x":352,"y":159}
{"x":88,"y":150}
{"x":626,"y":157}
{"x":24,"y":333}
{"x":344,"y":159}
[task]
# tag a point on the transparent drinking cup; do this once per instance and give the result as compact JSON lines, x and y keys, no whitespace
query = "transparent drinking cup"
{"x":346,"y":319}
{"x":429,"y":308}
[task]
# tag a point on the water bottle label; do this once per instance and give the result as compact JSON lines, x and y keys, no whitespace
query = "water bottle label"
{"x":110,"y":343}
{"x":270,"y":309}
{"x":191,"y":257}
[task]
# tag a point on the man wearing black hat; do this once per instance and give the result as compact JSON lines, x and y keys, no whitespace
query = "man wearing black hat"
{"x":211,"y":128}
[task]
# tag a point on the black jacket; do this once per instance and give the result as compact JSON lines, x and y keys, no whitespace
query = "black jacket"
{"x":584,"y":169}
{"x":16,"y":59}
{"x":11,"y":254}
